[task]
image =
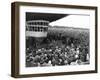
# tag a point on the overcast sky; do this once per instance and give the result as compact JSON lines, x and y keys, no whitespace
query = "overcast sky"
{"x":77,"y":21}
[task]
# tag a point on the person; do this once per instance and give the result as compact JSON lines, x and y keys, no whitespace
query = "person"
{"x":83,"y":55}
{"x":77,"y":52}
{"x":36,"y":60}
{"x":62,"y":57}
{"x":55,"y":60}
{"x":42,"y":57}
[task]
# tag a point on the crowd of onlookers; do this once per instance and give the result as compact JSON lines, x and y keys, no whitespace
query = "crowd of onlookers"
{"x":57,"y":55}
{"x":56,"y":50}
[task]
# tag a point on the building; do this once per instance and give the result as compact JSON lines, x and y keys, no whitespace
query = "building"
{"x":37,"y":28}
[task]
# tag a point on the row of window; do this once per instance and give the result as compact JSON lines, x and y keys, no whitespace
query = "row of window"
{"x":38,"y":23}
{"x":38,"y":29}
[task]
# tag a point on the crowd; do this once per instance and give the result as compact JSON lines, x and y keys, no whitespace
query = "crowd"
{"x":56,"y":56}
{"x":56,"y":50}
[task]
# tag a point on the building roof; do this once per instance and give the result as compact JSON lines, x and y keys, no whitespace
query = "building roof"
{"x":44,"y":16}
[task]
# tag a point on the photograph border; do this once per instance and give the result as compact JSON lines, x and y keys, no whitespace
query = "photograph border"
{"x":15,"y":32}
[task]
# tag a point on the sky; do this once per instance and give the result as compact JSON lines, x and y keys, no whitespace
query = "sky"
{"x":76,"y":21}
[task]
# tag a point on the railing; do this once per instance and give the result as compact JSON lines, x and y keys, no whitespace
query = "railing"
{"x":37,"y":29}
{"x":37,"y":25}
